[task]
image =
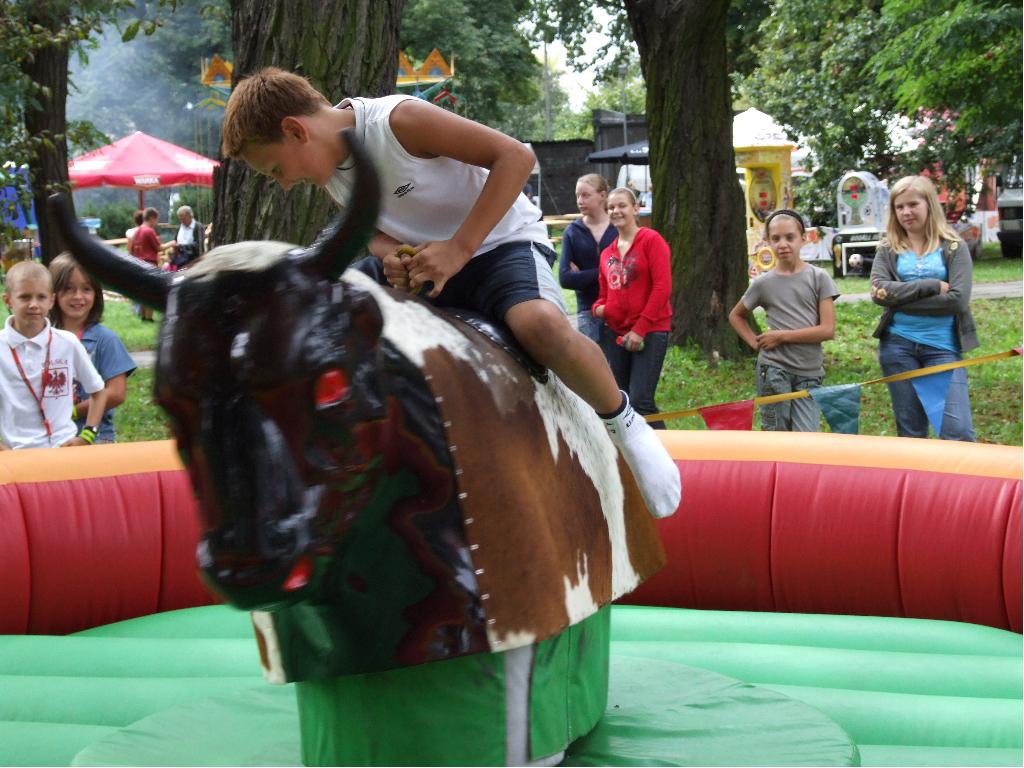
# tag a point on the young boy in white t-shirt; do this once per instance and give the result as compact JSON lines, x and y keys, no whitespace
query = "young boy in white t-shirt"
{"x":38,"y":369}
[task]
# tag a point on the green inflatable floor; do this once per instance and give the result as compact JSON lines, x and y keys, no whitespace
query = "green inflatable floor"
{"x":833,"y":690}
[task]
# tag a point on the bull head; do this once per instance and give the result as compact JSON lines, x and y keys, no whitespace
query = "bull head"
{"x":265,"y":367}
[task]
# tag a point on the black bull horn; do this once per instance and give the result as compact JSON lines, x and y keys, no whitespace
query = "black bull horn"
{"x":126,"y":275}
{"x":333,"y":251}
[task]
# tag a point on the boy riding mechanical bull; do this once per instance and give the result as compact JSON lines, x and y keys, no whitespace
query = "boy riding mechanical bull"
{"x":428,"y":535}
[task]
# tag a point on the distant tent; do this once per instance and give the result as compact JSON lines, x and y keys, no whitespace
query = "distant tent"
{"x":217,"y":73}
{"x":141,"y":162}
{"x":753,"y":128}
{"x":406,"y":72}
{"x":433,"y":70}
{"x":435,"y":66}
{"x":631,"y":154}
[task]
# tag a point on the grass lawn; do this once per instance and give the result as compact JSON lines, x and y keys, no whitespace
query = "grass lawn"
{"x":689,"y":380}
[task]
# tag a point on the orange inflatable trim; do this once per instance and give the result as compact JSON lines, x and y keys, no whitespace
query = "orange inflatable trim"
{"x":80,"y":463}
{"x":944,"y":456}
{"x":807,"y":448}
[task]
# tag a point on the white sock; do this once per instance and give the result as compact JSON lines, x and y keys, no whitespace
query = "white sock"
{"x":656,"y":473}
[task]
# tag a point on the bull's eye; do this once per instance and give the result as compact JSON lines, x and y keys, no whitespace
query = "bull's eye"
{"x":331,"y":388}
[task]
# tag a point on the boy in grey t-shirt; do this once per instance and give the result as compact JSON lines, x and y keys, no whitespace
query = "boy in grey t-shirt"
{"x":799,"y":300}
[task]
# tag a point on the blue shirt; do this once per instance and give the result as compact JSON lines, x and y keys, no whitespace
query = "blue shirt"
{"x":579,"y":248}
{"x":922,"y":329}
{"x":110,"y":358}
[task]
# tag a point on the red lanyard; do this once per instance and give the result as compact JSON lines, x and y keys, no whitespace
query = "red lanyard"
{"x":44,"y":381}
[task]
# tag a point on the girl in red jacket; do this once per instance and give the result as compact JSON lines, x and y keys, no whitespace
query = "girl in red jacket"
{"x":633,"y":300}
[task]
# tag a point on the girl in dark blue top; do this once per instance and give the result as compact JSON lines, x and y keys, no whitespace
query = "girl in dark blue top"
{"x":79,"y":309}
{"x":582,"y":243}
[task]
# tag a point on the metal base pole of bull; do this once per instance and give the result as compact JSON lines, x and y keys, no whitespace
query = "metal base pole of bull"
{"x":521,"y":707}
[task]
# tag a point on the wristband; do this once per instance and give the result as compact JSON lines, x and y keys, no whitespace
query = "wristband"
{"x":88,"y":434}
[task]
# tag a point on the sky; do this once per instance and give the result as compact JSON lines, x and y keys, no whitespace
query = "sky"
{"x":576,"y":84}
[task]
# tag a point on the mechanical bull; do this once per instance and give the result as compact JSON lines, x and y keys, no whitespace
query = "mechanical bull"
{"x":427,"y":534}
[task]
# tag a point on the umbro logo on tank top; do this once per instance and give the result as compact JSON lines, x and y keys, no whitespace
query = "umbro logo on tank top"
{"x":403,"y":190}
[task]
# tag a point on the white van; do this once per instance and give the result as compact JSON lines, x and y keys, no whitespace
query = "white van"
{"x":640,"y":176}
{"x":1010,"y":205}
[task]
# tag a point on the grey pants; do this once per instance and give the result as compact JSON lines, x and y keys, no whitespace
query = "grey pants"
{"x":800,"y":415}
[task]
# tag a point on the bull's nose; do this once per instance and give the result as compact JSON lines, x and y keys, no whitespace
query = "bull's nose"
{"x":254,"y":481}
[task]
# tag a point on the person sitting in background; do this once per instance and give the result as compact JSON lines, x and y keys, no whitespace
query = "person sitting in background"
{"x":582,"y":243}
{"x":528,"y":191}
{"x":189,"y":245}
{"x":646,"y":199}
{"x":79,"y":309}
{"x":130,"y":233}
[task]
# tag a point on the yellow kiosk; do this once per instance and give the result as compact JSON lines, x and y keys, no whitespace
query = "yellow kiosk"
{"x":765,"y":154}
{"x":767,"y":176}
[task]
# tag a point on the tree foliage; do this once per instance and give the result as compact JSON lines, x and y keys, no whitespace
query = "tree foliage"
{"x":741,"y":35}
{"x":527,"y":121}
{"x":607,"y":95}
{"x":955,"y":67}
{"x":569,"y":21}
{"x":36,"y":41}
{"x":151,"y":82}
{"x":842,"y":75}
{"x":344,"y":47}
{"x":26,"y":30}
{"x":496,"y":71}
{"x":811,"y":80}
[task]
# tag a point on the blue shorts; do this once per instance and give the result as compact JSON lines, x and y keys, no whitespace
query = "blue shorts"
{"x":494,"y":282}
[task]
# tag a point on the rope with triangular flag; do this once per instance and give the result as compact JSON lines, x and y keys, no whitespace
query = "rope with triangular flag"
{"x":840,"y":403}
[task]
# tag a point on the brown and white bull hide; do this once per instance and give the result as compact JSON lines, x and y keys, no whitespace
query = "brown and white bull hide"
{"x":556,"y":526}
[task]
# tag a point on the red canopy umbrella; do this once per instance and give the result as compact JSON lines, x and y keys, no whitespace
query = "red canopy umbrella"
{"x":141,"y":162}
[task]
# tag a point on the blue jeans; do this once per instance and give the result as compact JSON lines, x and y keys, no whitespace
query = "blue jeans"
{"x":898,"y":355}
{"x":589,"y":325}
{"x":637,"y":373}
{"x":800,"y":415}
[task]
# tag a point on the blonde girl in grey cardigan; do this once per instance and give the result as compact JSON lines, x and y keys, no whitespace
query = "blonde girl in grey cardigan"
{"x":922,"y":276}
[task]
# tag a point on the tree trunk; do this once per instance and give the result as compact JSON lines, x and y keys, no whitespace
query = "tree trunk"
{"x":345,"y":48}
{"x":698,"y":206}
{"x":45,"y":125}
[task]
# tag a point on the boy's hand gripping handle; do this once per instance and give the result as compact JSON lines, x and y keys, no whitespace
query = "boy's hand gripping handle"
{"x":407,"y":251}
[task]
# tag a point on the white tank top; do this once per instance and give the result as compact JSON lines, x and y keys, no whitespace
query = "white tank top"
{"x":424,"y":199}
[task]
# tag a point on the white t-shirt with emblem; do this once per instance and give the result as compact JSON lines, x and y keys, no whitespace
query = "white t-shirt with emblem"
{"x":21,"y":425}
{"x":425,"y":199}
